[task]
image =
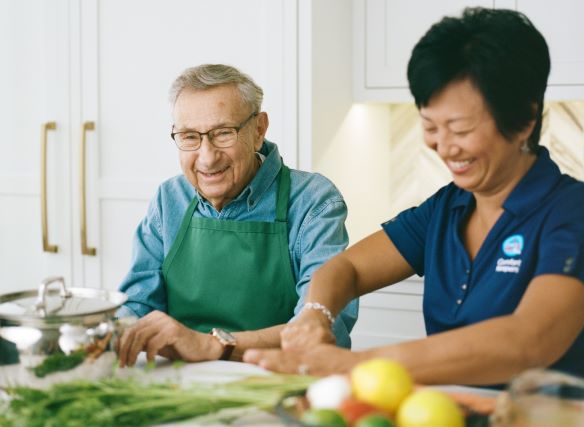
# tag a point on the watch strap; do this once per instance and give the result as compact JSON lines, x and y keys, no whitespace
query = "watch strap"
{"x":228,"y":347}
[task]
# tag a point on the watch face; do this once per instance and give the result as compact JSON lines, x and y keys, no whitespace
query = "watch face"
{"x":224,"y":336}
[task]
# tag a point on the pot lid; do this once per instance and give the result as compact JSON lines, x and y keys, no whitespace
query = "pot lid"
{"x":58,"y":304}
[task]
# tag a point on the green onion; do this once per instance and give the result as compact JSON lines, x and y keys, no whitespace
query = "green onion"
{"x":116,"y":402}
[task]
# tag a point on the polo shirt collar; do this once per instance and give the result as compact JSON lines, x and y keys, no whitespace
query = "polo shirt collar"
{"x":539,"y":180}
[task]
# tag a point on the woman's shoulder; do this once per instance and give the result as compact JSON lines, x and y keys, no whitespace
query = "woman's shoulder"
{"x":567,"y":198}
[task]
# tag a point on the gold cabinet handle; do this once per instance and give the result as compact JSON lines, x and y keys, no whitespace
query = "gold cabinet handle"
{"x":85,"y":250}
{"x":47,"y":247}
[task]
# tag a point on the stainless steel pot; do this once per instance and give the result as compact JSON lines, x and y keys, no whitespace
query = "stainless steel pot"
{"x":56,"y":334}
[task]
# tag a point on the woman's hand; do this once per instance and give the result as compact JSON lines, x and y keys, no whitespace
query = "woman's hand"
{"x":159,"y":334}
{"x":321,"y":360}
{"x":310,"y":328}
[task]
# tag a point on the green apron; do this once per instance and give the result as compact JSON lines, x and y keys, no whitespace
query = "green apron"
{"x":234,"y":275}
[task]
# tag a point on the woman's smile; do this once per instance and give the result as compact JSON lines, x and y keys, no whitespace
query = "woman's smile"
{"x":460,"y":166}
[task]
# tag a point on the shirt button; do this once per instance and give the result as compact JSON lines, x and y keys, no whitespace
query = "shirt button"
{"x":459,"y":301}
{"x":464,"y":287}
{"x":467,"y":271}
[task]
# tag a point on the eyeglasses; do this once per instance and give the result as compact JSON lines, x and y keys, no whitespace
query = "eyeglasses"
{"x":223,"y":137}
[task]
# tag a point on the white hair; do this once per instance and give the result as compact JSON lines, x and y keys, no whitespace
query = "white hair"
{"x":207,"y":76}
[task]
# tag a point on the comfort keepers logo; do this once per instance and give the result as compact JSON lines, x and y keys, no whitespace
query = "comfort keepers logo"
{"x":512,"y":247}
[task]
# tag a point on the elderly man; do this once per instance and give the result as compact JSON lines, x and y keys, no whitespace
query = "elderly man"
{"x":224,"y":255}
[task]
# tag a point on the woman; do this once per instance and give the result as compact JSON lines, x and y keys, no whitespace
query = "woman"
{"x":501,"y":247}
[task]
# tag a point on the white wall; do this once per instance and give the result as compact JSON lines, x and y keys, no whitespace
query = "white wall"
{"x":349,"y":142}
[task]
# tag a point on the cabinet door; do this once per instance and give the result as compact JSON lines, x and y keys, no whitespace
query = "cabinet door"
{"x":390,"y":315}
{"x":33,"y":81}
{"x":128,"y":55}
{"x":561,"y":25}
{"x":385,"y":34}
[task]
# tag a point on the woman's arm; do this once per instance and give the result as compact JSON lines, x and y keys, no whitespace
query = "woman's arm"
{"x":547,"y":321}
{"x":544,"y":325}
{"x":371,"y":264}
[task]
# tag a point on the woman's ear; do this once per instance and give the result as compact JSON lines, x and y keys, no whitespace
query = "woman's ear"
{"x":525,"y":133}
{"x":260,"y":130}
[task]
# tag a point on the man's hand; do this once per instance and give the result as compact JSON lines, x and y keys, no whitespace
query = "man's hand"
{"x":158,"y":333}
{"x":310,"y":328}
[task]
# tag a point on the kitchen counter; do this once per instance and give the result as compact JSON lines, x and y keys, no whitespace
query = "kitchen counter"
{"x":212,"y":372}
{"x":220,"y":372}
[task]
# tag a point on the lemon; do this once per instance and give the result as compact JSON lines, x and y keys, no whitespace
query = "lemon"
{"x":381,"y":383}
{"x":429,"y":408}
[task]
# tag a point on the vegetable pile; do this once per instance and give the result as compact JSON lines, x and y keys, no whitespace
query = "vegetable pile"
{"x":378,"y":393}
{"x":123,"y":402}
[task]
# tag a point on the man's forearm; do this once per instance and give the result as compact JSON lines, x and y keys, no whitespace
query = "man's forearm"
{"x":262,"y":338}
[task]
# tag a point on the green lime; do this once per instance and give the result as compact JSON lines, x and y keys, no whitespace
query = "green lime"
{"x":374,"y":420}
{"x":323,"y":417}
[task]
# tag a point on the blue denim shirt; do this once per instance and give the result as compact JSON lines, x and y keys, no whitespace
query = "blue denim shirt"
{"x":316,"y":232}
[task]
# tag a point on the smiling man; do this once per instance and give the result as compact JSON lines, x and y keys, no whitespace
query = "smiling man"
{"x":224,"y":255}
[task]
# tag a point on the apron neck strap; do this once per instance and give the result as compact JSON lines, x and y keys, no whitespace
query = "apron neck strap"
{"x":283,"y":193}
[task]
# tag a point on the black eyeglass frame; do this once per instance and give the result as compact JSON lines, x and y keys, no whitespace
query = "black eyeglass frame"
{"x":202,"y":134}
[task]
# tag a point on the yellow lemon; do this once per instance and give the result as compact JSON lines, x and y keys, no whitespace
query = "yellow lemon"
{"x":381,"y":383}
{"x":429,"y":408}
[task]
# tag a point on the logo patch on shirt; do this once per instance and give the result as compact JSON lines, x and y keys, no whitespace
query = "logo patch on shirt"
{"x":508,"y":265}
{"x":513,"y":245}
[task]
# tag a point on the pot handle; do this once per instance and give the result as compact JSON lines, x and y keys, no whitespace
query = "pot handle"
{"x":41,"y":301}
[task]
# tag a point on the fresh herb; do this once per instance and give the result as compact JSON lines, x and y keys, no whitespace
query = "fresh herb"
{"x":59,"y":362}
{"x":122,"y":402}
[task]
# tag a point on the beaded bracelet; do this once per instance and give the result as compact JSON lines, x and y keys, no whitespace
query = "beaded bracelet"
{"x":318,"y":306}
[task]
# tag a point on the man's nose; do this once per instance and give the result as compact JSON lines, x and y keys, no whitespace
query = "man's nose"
{"x":207,"y":151}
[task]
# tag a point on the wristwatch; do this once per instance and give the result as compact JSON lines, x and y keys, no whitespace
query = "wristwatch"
{"x":227,"y":340}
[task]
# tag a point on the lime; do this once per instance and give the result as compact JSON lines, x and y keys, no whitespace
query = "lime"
{"x":429,"y":408}
{"x":323,"y":417}
{"x":381,"y":383}
{"x":375,"y":420}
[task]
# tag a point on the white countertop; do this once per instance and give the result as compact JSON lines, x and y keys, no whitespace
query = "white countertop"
{"x":218,"y":372}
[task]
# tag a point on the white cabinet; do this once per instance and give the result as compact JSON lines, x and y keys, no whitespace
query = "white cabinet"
{"x":385,"y":31}
{"x":561,"y":25}
{"x":105,"y":66}
{"x":33,"y":80}
{"x":390,"y":315}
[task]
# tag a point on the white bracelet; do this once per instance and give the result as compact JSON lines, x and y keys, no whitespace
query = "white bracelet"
{"x":318,"y":306}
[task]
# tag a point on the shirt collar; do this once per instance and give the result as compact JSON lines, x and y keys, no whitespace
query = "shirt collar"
{"x":539,"y":180}
{"x":265,"y":175}
{"x":531,"y":189}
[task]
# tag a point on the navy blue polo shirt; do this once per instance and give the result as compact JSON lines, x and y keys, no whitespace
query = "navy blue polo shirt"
{"x":541,"y":231}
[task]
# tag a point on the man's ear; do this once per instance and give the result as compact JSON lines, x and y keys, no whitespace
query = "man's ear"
{"x":260,"y":131}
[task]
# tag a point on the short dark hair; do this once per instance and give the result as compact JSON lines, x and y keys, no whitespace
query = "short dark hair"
{"x":503,"y":55}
